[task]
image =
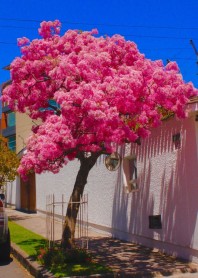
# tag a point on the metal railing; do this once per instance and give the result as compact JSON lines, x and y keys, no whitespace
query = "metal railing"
{"x":55,"y":216}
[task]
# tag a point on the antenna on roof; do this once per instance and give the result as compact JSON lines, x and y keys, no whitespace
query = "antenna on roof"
{"x":195,"y":49}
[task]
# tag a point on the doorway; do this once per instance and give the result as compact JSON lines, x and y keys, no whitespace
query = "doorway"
{"x":28,"y":194}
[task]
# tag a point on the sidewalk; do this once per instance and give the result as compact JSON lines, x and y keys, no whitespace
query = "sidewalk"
{"x":126,"y":259}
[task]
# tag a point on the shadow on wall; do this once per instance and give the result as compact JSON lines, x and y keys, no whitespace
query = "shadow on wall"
{"x":178,"y":198}
{"x":167,"y":178}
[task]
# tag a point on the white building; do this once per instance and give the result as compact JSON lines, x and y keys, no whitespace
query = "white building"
{"x":159,"y":209}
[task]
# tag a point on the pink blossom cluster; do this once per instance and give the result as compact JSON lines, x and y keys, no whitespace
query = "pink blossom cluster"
{"x":23,"y":41}
{"x":49,"y":28}
{"x":107,"y":92}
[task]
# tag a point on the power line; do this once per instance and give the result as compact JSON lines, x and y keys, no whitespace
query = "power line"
{"x":147,"y":36}
{"x":109,"y":34}
{"x":141,"y":49}
{"x":180,"y":58}
{"x":104,"y":24}
{"x":154,"y":37}
{"x":16,"y":27}
{"x":165,"y":48}
{"x":20,"y":20}
{"x":12,"y":43}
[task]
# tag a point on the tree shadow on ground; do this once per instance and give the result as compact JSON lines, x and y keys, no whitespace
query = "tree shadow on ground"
{"x":129,"y":259}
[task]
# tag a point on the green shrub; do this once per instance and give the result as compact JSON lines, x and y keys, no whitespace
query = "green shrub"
{"x":58,"y":256}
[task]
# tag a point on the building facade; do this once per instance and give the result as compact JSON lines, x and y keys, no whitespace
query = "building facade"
{"x":8,"y":123}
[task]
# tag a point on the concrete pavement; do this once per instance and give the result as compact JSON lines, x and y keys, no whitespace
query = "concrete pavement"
{"x":126,"y":259}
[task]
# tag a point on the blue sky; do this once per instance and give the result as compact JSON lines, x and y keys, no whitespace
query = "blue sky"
{"x":161,"y":29}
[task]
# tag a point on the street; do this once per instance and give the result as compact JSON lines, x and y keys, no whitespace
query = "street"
{"x":13,"y":269}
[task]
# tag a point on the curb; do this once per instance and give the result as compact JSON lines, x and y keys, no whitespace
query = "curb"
{"x":32,"y":266}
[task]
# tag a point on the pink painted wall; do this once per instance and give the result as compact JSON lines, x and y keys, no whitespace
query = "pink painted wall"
{"x":168,"y":186}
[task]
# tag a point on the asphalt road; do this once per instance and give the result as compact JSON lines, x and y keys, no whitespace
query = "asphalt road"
{"x":13,"y":269}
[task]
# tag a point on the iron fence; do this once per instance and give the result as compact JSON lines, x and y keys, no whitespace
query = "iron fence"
{"x":55,"y":216}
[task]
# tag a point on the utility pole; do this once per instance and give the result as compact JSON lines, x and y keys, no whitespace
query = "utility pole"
{"x":195,"y":49}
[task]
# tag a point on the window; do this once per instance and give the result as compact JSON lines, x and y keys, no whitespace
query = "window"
{"x":177,"y":140}
{"x":52,"y":103}
{"x":11,"y":119}
{"x":130,"y":173}
{"x":12,"y":142}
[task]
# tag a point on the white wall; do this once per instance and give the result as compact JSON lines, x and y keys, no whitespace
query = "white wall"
{"x":11,"y":193}
{"x":168,"y":185}
{"x":100,"y":189}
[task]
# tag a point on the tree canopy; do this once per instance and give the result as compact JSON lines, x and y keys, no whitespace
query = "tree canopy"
{"x":8,"y":163}
{"x":92,"y":93}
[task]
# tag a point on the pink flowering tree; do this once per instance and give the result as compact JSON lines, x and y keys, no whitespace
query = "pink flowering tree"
{"x":91,"y":94}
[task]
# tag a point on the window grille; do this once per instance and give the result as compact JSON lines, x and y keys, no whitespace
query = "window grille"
{"x":130,"y":173}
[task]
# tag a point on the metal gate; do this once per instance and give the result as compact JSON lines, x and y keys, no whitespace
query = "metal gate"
{"x":55,"y":215}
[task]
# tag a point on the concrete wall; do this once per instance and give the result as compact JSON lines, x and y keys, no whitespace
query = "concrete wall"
{"x":168,"y":186}
{"x":23,"y":130}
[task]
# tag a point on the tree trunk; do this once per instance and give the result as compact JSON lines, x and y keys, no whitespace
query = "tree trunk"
{"x":86,"y":163}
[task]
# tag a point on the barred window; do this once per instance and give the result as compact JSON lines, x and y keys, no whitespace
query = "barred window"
{"x":12,"y":142}
{"x":130,"y":173}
